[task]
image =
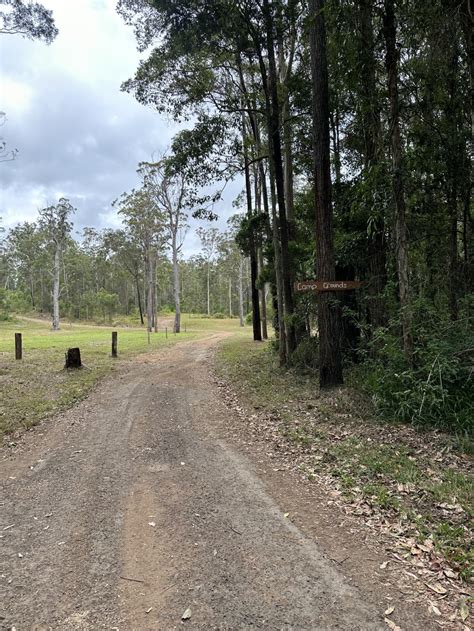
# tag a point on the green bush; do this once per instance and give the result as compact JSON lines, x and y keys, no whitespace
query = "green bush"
{"x":4,"y":306}
{"x":306,"y":354}
{"x":219,"y":316}
{"x":437,"y":390}
{"x":17,"y":301}
{"x":248,"y":318}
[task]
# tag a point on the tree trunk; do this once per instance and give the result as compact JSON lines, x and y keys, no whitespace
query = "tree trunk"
{"x":272,"y":227}
{"x":256,"y":324}
{"x":262,"y":297}
{"x":467,"y":20}
{"x":155,"y":297}
{"x":288,"y":163}
{"x":280,"y":311}
{"x":208,"y":288}
{"x":177,"y":299}
{"x":400,"y":227}
{"x":276,"y":167}
{"x":258,"y":203}
{"x":150,"y":288}
{"x":42,"y":291}
{"x":453,"y":252}
{"x":241,"y":292}
{"x":139,"y":299}
{"x":56,"y":275}
{"x":376,"y":242}
{"x":330,"y":364}
{"x":32,"y":291}
{"x":458,"y":166}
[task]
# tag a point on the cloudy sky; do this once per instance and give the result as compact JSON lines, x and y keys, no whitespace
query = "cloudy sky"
{"x":77,"y":134}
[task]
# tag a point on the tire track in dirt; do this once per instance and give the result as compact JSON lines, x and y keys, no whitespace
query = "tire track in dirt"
{"x":138,"y":485}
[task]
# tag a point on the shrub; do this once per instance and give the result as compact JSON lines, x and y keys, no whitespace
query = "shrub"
{"x":306,"y":354}
{"x":437,"y":389}
{"x":4,"y":305}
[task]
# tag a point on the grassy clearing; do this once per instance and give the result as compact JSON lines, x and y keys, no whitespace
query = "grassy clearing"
{"x":416,"y":481}
{"x":37,"y":387}
{"x":194,"y":322}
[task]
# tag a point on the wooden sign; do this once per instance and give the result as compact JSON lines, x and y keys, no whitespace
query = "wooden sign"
{"x":327,"y":285}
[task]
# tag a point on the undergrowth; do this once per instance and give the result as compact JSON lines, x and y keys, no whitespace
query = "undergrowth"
{"x":414,"y":477}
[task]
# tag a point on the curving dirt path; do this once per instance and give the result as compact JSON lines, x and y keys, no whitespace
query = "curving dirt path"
{"x":129,"y":509}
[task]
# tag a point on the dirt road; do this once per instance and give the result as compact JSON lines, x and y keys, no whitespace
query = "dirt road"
{"x":130,"y":509}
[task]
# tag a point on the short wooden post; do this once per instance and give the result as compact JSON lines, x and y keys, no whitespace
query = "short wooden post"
{"x":18,"y":346}
{"x":166,"y":332}
{"x":114,"y":343}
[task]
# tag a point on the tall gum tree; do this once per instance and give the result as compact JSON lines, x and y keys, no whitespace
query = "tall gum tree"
{"x":329,"y":326}
{"x":400,"y":222}
{"x":168,"y":188}
{"x":54,"y":221}
{"x":146,"y":223}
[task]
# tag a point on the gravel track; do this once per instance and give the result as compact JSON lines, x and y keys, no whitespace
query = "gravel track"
{"x":130,"y":509}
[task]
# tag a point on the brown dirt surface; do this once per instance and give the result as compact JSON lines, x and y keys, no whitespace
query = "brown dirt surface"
{"x":146,"y":501}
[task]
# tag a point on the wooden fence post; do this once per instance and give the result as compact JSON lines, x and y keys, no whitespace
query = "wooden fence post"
{"x":18,"y":346}
{"x":166,"y":332}
{"x":114,"y":343}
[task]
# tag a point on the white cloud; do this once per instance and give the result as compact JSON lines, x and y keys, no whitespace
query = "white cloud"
{"x":78,"y":135}
{"x":15,"y":95}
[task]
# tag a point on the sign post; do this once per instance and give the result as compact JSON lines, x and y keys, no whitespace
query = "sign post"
{"x":327,"y":285}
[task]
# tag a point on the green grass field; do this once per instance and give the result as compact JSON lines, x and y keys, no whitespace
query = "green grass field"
{"x":37,"y":386}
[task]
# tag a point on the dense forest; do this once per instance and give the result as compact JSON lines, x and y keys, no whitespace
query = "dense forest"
{"x":351,"y":125}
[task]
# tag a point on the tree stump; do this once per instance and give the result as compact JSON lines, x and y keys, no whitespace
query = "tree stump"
{"x":73,"y":358}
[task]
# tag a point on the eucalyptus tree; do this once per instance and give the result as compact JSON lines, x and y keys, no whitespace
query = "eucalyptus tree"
{"x":145,"y":221}
{"x":25,"y":243}
{"x":127,"y":252}
{"x":28,"y":19}
{"x":55,"y":222}
{"x":202,"y":53}
{"x":210,"y":239}
{"x":330,"y":361}
{"x":169,"y":189}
